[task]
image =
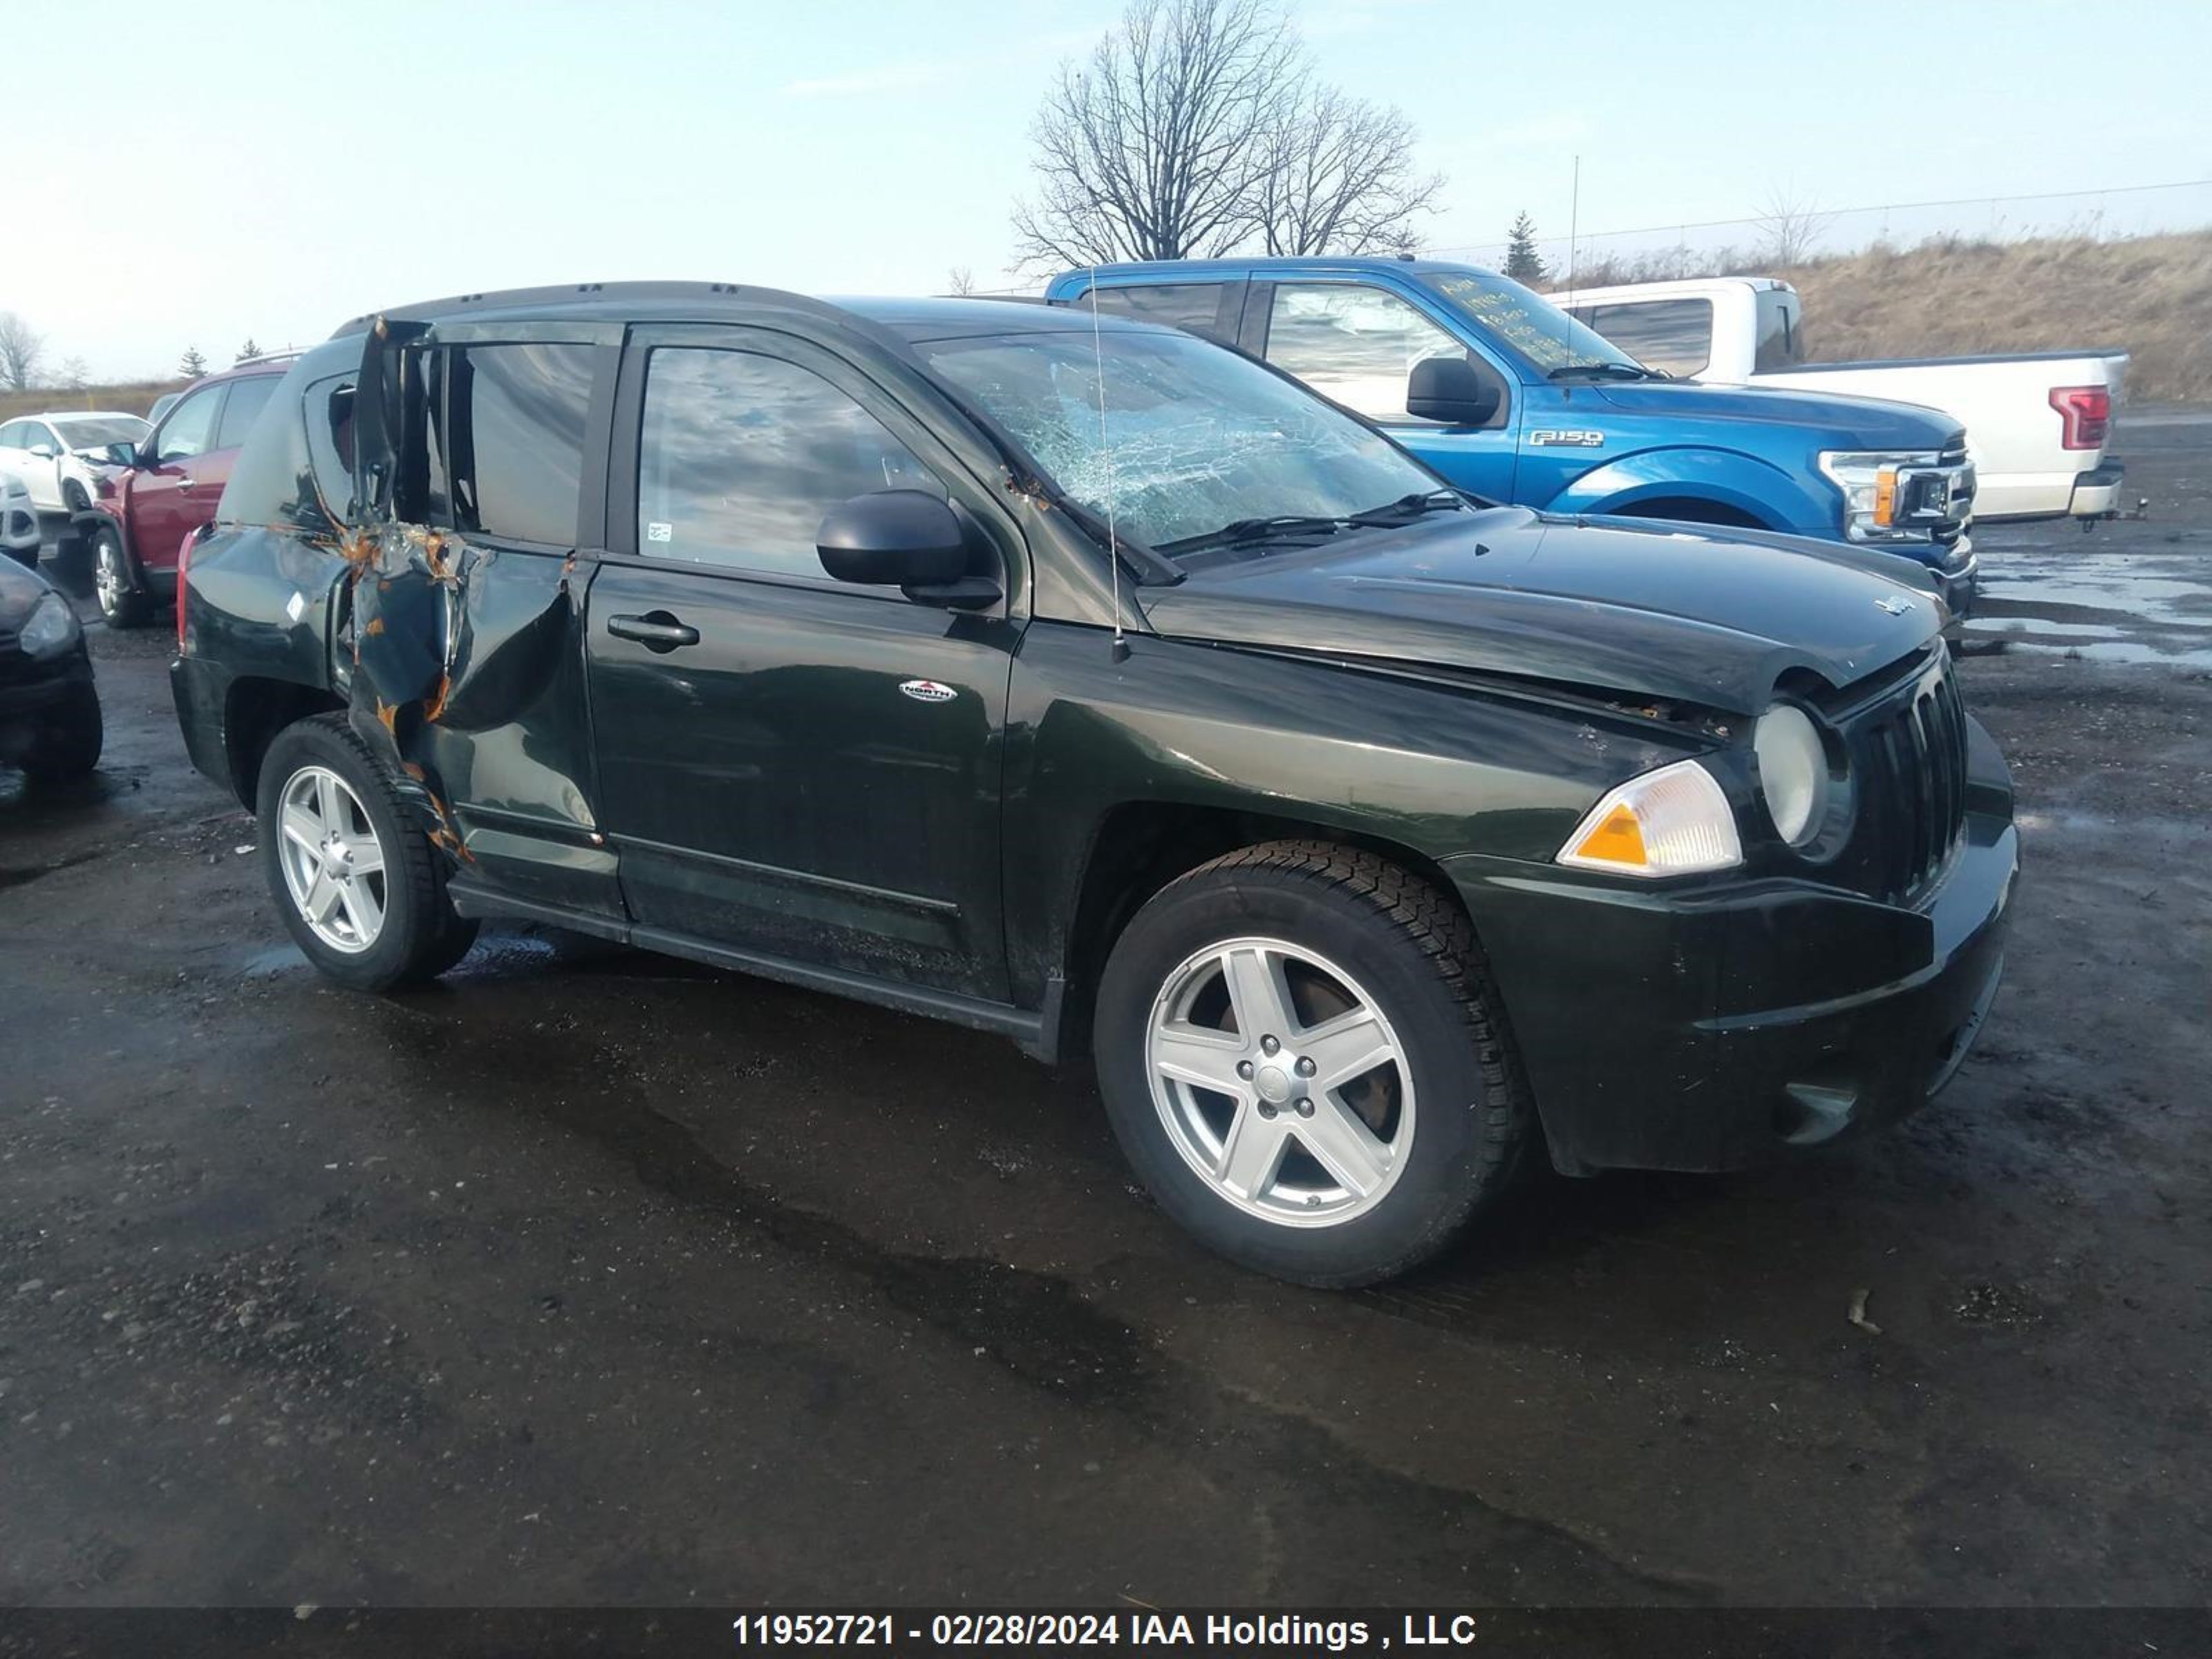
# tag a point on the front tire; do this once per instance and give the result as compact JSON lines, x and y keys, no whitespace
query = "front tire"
{"x":360,"y":888}
{"x":120,"y":602}
{"x":1301,"y":1058}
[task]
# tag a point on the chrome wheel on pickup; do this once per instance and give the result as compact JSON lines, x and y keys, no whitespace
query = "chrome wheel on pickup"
{"x":1280,"y":1082}
{"x":1301,"y":1057}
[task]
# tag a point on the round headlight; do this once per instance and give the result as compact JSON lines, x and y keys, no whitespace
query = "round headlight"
{"x":1793,"y":771}
{"x":51,"y":629}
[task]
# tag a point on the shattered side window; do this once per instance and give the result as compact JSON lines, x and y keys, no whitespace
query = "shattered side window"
{"x":1194,"y":437}
{"x":514,"y":441}
{"x":742,"y":454}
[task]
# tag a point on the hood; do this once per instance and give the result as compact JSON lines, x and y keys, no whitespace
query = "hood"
{"x":21,"y":587}
{"x":1855,"y":422}
{"x":1709,"y":618}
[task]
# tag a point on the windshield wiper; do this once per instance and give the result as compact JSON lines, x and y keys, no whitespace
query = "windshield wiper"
{"x":1244,"y":531}
{"x":1610,"y":371}
{"x":1410,"y":506}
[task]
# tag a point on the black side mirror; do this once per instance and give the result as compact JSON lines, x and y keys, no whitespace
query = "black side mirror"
{"x":904,"y":538}
{"x":1449,"y":389}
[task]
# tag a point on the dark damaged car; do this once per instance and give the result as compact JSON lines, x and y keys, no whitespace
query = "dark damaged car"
{"x":1368,"y":837}
{"x":49,"y":722}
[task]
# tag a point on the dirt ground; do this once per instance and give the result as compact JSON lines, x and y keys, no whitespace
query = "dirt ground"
{"x":592,"y":1277}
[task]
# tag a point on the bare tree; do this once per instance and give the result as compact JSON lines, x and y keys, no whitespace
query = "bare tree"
{"x":1337,"y":177}
{"x":22,"y":349}
{"x":960,"y":279}
{"x":74,"y":373}
{"x":1791,"y":226}
{"x":1148,"y":151}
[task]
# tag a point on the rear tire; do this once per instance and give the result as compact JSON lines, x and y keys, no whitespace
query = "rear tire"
{"x":67,"y":745}
{"x":120,"y":602}
{"x":338,"y":840}
{"x":1356,"y":1176}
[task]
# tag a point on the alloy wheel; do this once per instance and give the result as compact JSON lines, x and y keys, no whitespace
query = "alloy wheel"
{"x":333,"y":862}
{"x":1280,"y":1082}
{"x":109,"y":580}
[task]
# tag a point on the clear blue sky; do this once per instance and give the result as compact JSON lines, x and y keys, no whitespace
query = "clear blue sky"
{"x":268,"y":168}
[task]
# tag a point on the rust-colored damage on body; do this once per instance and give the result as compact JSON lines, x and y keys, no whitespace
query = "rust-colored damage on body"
{"x":443,"y":658}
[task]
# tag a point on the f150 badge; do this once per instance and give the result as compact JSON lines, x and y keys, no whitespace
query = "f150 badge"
{"x":1566,"y":438}
{"x":927,"y":690}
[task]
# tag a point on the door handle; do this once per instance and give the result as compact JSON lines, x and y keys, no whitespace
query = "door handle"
{"x":656,"y":630}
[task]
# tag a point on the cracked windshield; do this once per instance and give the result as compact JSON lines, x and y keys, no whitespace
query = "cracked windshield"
{"x":1197,"y":438}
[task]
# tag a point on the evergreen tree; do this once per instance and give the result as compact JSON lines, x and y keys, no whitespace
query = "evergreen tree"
{"x":192,"y":365}
{"x":249,"y":349}
{"x":1522,"y":263}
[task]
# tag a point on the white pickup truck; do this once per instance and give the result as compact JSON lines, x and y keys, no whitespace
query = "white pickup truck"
{"x":2036,"y":422}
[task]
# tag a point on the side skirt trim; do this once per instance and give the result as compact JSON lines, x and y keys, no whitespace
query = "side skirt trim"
{"x":1036,"y":1032}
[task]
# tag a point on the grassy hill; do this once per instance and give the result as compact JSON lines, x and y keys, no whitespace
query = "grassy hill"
{"x":134,"y":400}
{"x":1956,"y":297}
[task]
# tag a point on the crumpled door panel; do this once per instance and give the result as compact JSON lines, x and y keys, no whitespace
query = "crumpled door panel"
{"x":467,"y":668}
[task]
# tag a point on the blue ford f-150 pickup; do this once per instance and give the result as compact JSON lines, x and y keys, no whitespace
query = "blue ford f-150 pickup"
{"x":1511,"y":398}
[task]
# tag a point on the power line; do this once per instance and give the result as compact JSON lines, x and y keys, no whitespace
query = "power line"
{"x":1872,"y":207}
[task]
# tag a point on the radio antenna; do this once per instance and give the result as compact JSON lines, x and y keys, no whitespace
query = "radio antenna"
{"x":1106,"y":449}
{"x":1574,"y":225}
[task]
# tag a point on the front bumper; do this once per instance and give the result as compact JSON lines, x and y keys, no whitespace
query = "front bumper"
{"x":19,"y":526}
{"x":30,"y":692}
{"x":1959,"y":580}
{"x":1720,"y":1027}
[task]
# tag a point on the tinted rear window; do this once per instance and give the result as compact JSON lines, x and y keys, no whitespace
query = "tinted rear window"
{"x":1674,"y":335}
{"x":1193,"y":306}
{"x":516,"y":446}
{"x":1779,"y":344}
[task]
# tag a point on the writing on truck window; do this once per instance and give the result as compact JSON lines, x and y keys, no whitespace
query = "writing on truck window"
{"x":1527,"y":322}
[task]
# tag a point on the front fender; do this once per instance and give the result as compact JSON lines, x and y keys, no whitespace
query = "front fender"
{"x":1768,"y":494}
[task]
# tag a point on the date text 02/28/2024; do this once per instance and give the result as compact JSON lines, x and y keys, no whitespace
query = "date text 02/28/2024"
{"x":1144,"y":1628}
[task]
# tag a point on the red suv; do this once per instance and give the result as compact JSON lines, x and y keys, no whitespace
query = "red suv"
{"x":145,"y":513}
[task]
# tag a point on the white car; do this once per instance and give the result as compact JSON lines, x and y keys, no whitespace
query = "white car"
{"x":19,"y":521}
{"x":2037,"y":421}
{"x":60,"y":455}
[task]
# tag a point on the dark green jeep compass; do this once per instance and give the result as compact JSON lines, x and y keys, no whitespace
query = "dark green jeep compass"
{"x":1080,"y":680}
